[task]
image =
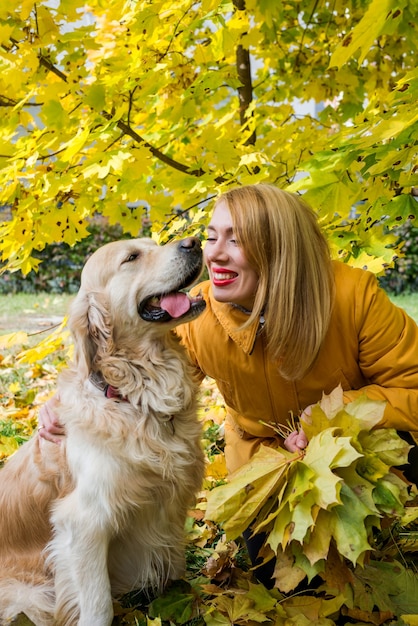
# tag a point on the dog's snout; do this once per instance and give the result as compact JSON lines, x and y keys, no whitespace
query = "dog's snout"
{"x":190,"y":244}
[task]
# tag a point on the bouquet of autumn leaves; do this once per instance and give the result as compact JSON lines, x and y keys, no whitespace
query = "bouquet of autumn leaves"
{"x":319,"y":505}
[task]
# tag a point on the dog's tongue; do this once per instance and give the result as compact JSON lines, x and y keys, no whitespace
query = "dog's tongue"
{"x":176,"y":304}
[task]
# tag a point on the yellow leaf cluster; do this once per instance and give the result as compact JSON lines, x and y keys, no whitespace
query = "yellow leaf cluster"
{"x":336,"y":491}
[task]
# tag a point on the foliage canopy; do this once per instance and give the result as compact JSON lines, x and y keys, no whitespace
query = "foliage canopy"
{"x":158,"y":105}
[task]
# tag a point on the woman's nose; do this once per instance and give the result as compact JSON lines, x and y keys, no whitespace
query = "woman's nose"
{"x":214,"y":251}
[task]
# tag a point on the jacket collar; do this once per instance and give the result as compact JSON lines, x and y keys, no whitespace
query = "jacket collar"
{"x":231,"y":319}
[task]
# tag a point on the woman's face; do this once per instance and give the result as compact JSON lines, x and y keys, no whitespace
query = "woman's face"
{"x":232,"y":277}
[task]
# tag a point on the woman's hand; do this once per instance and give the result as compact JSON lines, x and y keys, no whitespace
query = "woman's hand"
{"x":296,"y":441}
{"x":48,"y":426}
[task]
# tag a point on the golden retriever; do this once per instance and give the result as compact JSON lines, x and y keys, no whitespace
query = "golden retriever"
{"x":104,"y":512}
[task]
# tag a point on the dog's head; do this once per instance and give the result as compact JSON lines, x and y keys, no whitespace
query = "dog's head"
{"x":132,"y":288}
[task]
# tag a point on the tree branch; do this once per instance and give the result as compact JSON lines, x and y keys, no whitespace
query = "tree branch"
{"x":245,"y":92}
{"x":51,"y":67}
{"x":5,"y":101}
{"x":127,"y":130}
{"x":184,"y":211}
{"x":304,"y":32}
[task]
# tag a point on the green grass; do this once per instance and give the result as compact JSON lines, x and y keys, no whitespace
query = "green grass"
{"x":32,"y":313}
{"x":40,"y":304}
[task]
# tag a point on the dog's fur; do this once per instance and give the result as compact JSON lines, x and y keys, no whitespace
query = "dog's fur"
{"x":103,"y":513}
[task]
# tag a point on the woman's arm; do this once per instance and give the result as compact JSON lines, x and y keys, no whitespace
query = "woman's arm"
{"x":388,"y":355}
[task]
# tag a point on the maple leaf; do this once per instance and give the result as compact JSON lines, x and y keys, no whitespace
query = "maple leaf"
{"x":52,"y":342}
{"x":287,"y":575}
{"x":339,"y":452}
{"x":347,"y":525}
{"x":8,"y":445}
{"x":178,"y":603}
{"x":388,"y":585}
{"x":317,"y":545}
{"x":13,"y":339}
{"x":384,"y":442}
{"x":368,"y":413}
{"x":388,"y":495}
{"x":216,"y":469}
{"x":237,"y":503}
{"x":362,"y":487}
{"x":308,"y":610}
{"x":239,"y":609}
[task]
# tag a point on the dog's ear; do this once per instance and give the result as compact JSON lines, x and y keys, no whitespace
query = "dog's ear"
{"x":89,"y":322}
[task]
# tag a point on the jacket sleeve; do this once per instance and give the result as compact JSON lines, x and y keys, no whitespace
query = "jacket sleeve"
{"x":184,"y":333}
{"x":388,"y":355}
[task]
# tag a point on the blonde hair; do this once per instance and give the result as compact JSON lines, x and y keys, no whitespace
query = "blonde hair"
{"x":282,"y":241}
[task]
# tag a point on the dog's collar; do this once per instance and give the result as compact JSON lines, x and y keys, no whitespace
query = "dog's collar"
{"x":110,"y":392}
{"x":99,"y":382}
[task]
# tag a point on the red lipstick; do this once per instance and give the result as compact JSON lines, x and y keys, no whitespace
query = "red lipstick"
{"x":222,"y":276}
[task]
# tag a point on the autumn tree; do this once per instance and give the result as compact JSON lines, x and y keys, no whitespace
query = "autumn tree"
{"x":132,"y":105}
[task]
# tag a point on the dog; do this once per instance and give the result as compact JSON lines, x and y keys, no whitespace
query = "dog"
{"x":104,"y":512}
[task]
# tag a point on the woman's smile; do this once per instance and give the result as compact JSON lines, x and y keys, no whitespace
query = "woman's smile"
{"x":223,"y":276}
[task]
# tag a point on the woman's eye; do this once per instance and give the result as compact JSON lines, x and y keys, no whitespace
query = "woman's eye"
{"x":210,"y":239}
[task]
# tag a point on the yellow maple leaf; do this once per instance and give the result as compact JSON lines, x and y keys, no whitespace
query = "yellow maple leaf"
{"x":237,"y":503}
{"x":217,"y":468}
{"x":13,"y":339}
{"x":14,"y":388}
{"x":8,"y":445}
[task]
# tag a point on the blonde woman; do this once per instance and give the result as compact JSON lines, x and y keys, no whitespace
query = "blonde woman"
{"x":284,"y":324}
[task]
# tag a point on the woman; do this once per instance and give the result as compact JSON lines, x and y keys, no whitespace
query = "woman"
{"x":284,"y":324}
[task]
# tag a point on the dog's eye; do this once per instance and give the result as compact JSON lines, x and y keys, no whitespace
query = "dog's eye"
{"x":132,"y":257}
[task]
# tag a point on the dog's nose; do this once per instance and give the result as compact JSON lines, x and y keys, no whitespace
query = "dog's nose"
{"x":189,"y":244}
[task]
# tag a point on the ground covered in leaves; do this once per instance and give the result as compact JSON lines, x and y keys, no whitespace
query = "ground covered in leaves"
{"x":377,"y":586}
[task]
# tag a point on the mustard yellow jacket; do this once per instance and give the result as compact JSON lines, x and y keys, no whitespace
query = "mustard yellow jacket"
{"x":371,"y":346}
